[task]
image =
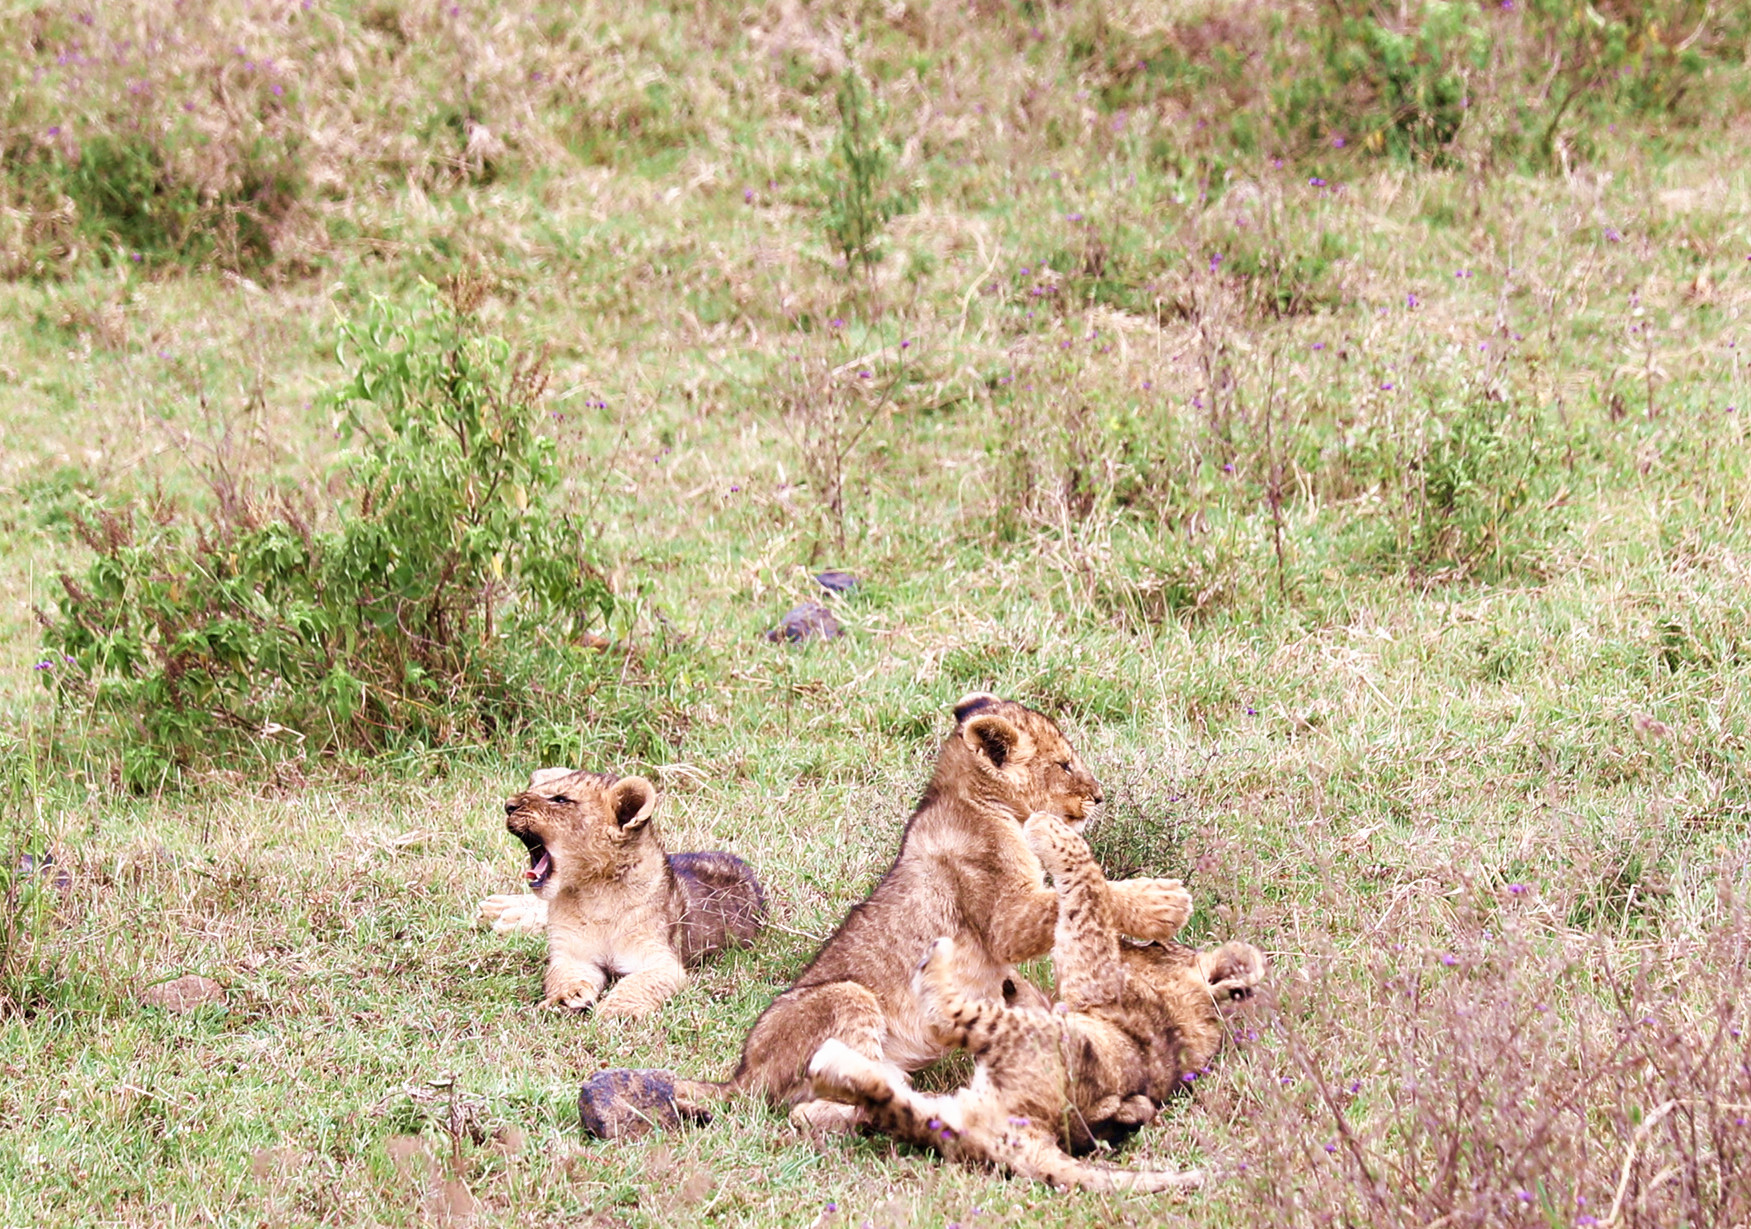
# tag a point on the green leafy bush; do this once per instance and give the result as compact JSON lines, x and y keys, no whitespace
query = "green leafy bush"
{"x":439,"y":601}
{"x":857,"y":203}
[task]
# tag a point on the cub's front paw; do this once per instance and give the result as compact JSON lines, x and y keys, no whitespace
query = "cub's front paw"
{"x":512,"y":913}
{"x":1152,"y":908}
{"x":571,"y":998}
{"x":613,"y":1008}
{"x":492,"y":908}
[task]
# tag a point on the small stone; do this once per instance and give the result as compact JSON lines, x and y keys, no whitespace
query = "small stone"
{"x":810,"y":621}
{"x":44,"y":864}
{"x":625,"y":1103}
{"x":184,"y":994}
{"x":837,"y":582}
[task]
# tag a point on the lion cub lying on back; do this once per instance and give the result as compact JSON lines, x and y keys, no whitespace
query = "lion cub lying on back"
{"x":1130,"y":1023}
{"x":612,"y":903}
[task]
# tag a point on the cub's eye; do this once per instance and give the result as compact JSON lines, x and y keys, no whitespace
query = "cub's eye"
{"x":1064,"y":764}
{"x":559,"y":798}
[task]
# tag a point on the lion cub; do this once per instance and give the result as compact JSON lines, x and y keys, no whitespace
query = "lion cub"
{"x":963,"y":870}
{"x":1130,"y":1023}
{"x":612,"y":903}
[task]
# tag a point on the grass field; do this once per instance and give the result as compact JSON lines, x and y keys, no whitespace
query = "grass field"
{"x":1377,"y":519}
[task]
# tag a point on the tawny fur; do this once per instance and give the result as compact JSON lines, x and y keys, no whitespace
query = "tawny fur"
{"x":613,"y":904}
{"x":1130,"y":1024}
{"x":963,"y":870}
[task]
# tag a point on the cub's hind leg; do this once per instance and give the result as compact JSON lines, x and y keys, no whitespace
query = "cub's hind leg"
{"x":1232,"y":970}
{"x":885,"y":1099}
{"x":776,"y":1056}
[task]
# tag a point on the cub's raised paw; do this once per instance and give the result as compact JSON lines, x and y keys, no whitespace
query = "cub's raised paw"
{"x":1152,"y":908}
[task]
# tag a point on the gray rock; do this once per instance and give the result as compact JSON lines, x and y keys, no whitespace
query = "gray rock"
{"x":184,"y":994}
{"x":625,"y":1103}
{"x":810,"y":621}
{"x":838,"y":582}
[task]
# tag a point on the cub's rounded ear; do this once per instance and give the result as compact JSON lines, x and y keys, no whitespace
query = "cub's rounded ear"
{"x":995,"y":738}
{"x":631,"y":800}
{"x":541,"y":776}
{"x":972,"y":702}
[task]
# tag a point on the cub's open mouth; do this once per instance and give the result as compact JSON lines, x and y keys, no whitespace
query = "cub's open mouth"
{"x":540,"y":864}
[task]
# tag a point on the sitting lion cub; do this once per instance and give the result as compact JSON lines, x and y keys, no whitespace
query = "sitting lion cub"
{"x":612,"y":903}
{"x":1130,"y":1023}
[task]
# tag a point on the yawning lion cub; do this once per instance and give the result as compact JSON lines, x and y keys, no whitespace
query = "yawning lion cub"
{"x":612,"y":903}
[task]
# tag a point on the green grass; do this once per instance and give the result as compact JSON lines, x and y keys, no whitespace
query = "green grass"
{"x":1445,"y":681}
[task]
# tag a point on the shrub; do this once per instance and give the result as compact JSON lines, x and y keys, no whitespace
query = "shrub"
{"x":856,"y":201}
{"x":431,"y":606}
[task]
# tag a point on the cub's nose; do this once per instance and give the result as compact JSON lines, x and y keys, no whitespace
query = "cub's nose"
{"x":1097,"y":798}
{"x":510,"y":806}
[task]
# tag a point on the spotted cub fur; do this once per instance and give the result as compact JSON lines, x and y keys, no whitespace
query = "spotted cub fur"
{"x":613,"y":904}
{"x":1131,"y":1021}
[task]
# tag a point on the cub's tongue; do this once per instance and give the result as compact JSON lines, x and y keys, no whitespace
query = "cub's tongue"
{"x":539,"y":871}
